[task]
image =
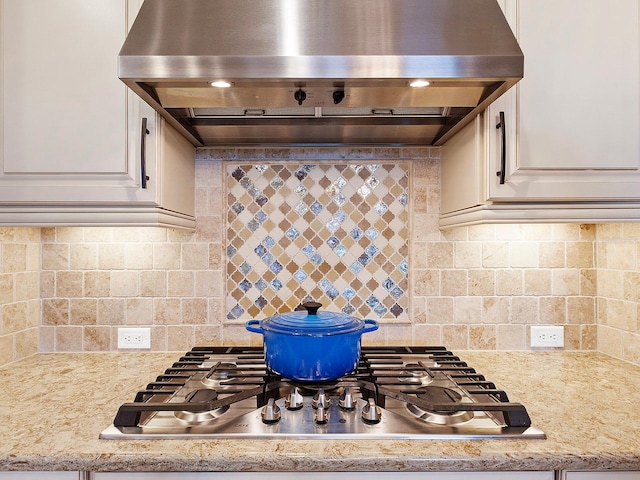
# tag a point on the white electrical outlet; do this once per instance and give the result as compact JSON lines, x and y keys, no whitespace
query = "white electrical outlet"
{"x":547,"y":336}
{"x":134,"y":337}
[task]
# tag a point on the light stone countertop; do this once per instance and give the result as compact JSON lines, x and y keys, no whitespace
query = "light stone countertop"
{"x":53,"y":407}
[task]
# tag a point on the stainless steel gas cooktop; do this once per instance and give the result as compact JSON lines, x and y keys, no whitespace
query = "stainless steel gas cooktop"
{"x":395,"y":392}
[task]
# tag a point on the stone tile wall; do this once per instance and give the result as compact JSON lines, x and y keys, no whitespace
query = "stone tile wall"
{"x":19,"y":293}
{"x":618,"y":252}
{"x":475,"y":287}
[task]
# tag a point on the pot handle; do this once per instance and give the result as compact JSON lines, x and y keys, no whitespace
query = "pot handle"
{"x":248,"y":326}
{"x":373,"y":323}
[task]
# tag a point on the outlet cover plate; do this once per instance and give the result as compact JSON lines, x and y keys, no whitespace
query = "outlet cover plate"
{"x":547,"y":336}
{"x":134,"y":337}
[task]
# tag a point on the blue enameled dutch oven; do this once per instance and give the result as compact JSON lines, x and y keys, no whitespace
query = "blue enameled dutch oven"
{"x":310,"y":345}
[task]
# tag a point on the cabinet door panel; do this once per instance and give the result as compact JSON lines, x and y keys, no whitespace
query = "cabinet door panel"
{"x":63,"y":102}
{"x":580,"y":101}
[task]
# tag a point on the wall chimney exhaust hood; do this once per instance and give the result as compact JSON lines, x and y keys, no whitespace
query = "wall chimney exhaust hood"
{"x":308,"y":72}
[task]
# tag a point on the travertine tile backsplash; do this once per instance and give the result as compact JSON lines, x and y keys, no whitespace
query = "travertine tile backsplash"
{"x":19,"y":293}
{"x":473,"y":288}
{"x":469,"y":288}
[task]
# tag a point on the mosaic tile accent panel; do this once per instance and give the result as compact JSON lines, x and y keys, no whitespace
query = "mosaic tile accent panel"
{"x":333,"y":233}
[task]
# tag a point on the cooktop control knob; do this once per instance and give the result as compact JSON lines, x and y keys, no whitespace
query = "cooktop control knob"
{"x":346,"y":401}
{"x":270,"y":412}
{"x":371,"y":413}
{"x":322,"y":415}
{"x":294,"y":400}
{"x":321,"y":399}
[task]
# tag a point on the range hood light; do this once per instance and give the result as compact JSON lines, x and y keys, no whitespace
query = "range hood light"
{"x":419,"y":83}
{"x":221,"y":84}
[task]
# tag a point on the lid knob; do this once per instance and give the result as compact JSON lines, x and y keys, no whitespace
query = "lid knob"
{"x":312,"y":307}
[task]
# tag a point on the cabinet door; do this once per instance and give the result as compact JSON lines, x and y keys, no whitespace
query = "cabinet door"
{"x":572,"y":123}
{"x":601,"y":475}
{"x":331,"y":475}
{"x":70,"y":131}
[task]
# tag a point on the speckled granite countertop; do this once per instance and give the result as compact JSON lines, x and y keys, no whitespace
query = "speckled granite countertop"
{"x":53,"y":407}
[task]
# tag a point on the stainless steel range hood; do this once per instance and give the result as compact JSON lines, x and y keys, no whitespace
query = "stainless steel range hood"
{"x":320,"y":71}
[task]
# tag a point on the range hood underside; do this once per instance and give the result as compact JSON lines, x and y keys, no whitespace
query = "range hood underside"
{"x":268,"y":113}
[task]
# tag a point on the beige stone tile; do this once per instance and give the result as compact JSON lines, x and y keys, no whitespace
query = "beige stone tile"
{"x":195,"y":256}
{"x":166,"y":256}
{"x":158,"y":338}
{"x":110,"y":256}
{"x":55,"y":256}
{"x":6,"y":349}
{"x":588,"y":282}
{"x":47,"y":339}
{"x":572,"y":337}
{"x":166,"y":311}
{"x":138,"y":256}
{"x":208,"y":335}
{"x":523,"y":255}
{"x":34,"y":313}
{"x":98,"y":234}
{"x":217,"y":311}
{"x":180,"y":283}
{"x":565,"y":281}
{"x":465,"y":309}
{"x":69,"y":234}
{"x":537,"y":282}
{"x":581,"y":310}
{"x":216,"y":256}
{"x":153,"y":283}
{"x":14,"y":317}
{"x":6,"y":288}
{"x":139,"y":311}
{"x":153,"y":234}
{"x":83,"y":256}
{"x":68,"y":338}
{"x":47,"y":284}
{"x":482,"y":337}
{"x":26,"y":343}
{"x":438,"y":254}
{"x":55,"y":312}
{"x":551,"y":255}
{"x":69,"y":284}
{"x":524,"y":310}
{"x":611,"y":341}
{"x":589,"y":337}
{"x":580,"y":254}
{"x":97,"y":338}
{"x":194,"y":310}
{"x":455,"y":337}
{"x":495,"y":310}
{"x":481,"y":282}
{"x":83,"y":311}
{"x":495,"y":254}
{"x":509,"y":282}
{"x":631,"y":348}
{"x":27,"y":286}
{"x":427,"y":334}
{"x":512,"y":337}
{"x":97,"y":283}
{"x":453,"y":282}
{"x":111,"y":311}
{"x":426,"y":283}
{"x":468,"y":255}
{"x":553,"y":310}
{"x":440,"y":310}
{"x":124,"y":283}
{"x":180,"y":337}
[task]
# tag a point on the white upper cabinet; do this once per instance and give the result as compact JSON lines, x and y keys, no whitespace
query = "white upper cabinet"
{"x":74,"y":148}
{"x":572,"y":125}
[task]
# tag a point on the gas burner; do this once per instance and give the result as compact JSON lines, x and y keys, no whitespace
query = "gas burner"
{"x":219,"y":373}
{"x":415,"y":374}
{"x":198,"y":396}
{"x":440,"y":395}
{"x":311,"y":388}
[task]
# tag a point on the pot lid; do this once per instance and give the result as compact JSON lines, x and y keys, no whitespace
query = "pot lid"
{"x":312,"y":322}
